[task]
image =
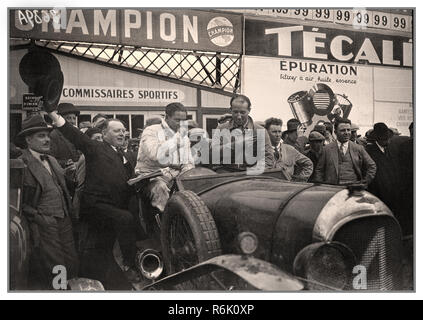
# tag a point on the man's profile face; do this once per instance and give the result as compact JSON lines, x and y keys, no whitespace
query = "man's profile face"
{"x":114,"y":134}
{"x":71,"y":118}
{"x":240,"y":111}
{"x":174,"y":121}
{"x":39,"y":141}
{"x":343,"y":132}
{"x":275,"y":133}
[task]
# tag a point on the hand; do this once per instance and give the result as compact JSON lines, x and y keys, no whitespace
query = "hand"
{"x":47,"y":106}
{"x":70,"y":167}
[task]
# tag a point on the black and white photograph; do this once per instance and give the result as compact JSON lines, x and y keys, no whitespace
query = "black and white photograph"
{"x":211,"y":149}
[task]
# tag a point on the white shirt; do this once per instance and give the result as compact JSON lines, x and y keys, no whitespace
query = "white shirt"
{"x":343,"y":146}
{"x":37,"y":156}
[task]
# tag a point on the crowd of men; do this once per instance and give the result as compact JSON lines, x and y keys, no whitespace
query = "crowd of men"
{"x":76,"y":177}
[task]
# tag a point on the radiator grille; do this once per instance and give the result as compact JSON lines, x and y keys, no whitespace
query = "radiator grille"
{"x":376,"y":243}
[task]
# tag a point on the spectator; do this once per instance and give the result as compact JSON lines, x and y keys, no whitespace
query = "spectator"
{"x":329,"y":132}
{"x":406,"y":167}
{"x":386,"y":183}
{"x":294,"y":165}
{"x":47,"y":206}
{"x":354,"y":129}
{"x":343,"y":162}
{"x":292,"y":137}
{"x":316,"y":149}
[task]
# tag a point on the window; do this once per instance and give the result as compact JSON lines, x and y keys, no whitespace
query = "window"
{"x":125,"y":119}
{"x":211,"y":123}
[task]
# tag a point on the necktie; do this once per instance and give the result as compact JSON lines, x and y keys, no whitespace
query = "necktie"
{"x":342,"y":148}
{"x":277,"y":155}
{"x":43,"y":157}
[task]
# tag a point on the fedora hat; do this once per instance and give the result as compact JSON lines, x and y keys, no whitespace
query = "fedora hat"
{"x":66,"y":108}
{"x":380,"y":132}
{"x":40,"y":70}
{"x":34,"y":124}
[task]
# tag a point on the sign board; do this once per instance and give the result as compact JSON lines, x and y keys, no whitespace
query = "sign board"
{"x":95,"y":94}
{"x":157,"y":28}
{"x":360,"y":18}
{"x":277,"y":39}
{"x":30,"y":102}
{"x":312,"y":91}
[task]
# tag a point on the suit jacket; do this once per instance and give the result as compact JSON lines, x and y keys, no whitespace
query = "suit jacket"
{"x":293,"y":163}
{"x":327,"y":166}
{"x":105,"y":176}
{"x":386,"y":183}
{"x":33,"y":184}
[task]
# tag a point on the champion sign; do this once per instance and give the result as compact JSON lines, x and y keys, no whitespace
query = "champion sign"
{"x":173,"y":29}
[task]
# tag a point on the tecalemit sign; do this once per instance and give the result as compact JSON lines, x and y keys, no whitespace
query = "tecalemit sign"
{"x":173,"y":29}
{"x":264,"y":38}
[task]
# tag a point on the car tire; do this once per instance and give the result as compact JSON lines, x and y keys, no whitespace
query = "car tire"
{"x":192,"y":214}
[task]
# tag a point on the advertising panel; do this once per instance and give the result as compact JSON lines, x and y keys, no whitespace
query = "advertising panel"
{"x":319,"y":74}
{"x":173,"y":29}
{"x":276,"y":39}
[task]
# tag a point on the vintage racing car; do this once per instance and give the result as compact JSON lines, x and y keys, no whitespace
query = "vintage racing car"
{"x":237,"y":231}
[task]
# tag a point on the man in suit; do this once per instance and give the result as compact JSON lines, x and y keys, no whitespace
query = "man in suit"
{"x":343,"y":162}
{"x":386,"y":184}
{"x":294,"y":165}
{"x":106,"y":194}
{"x":47,"y":205}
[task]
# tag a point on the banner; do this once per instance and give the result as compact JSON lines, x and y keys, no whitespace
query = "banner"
{"x":314,"y":91}
{"x":173,"y":29}
{"x":275,"y":39}
{"x":91,"y":94}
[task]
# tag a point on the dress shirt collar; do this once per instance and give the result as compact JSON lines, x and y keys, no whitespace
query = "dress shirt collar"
{"x":36,"y":154}
{"x":344,"y":146}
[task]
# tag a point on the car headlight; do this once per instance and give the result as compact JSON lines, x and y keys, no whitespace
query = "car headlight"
{"x":329,"y":264}
{"x":247,"y":242}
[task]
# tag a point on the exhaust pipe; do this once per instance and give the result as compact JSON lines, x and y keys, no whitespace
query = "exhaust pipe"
{"x":150,"y":263}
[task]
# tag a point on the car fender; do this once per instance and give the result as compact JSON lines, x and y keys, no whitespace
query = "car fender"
{"x":259,"y":274}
